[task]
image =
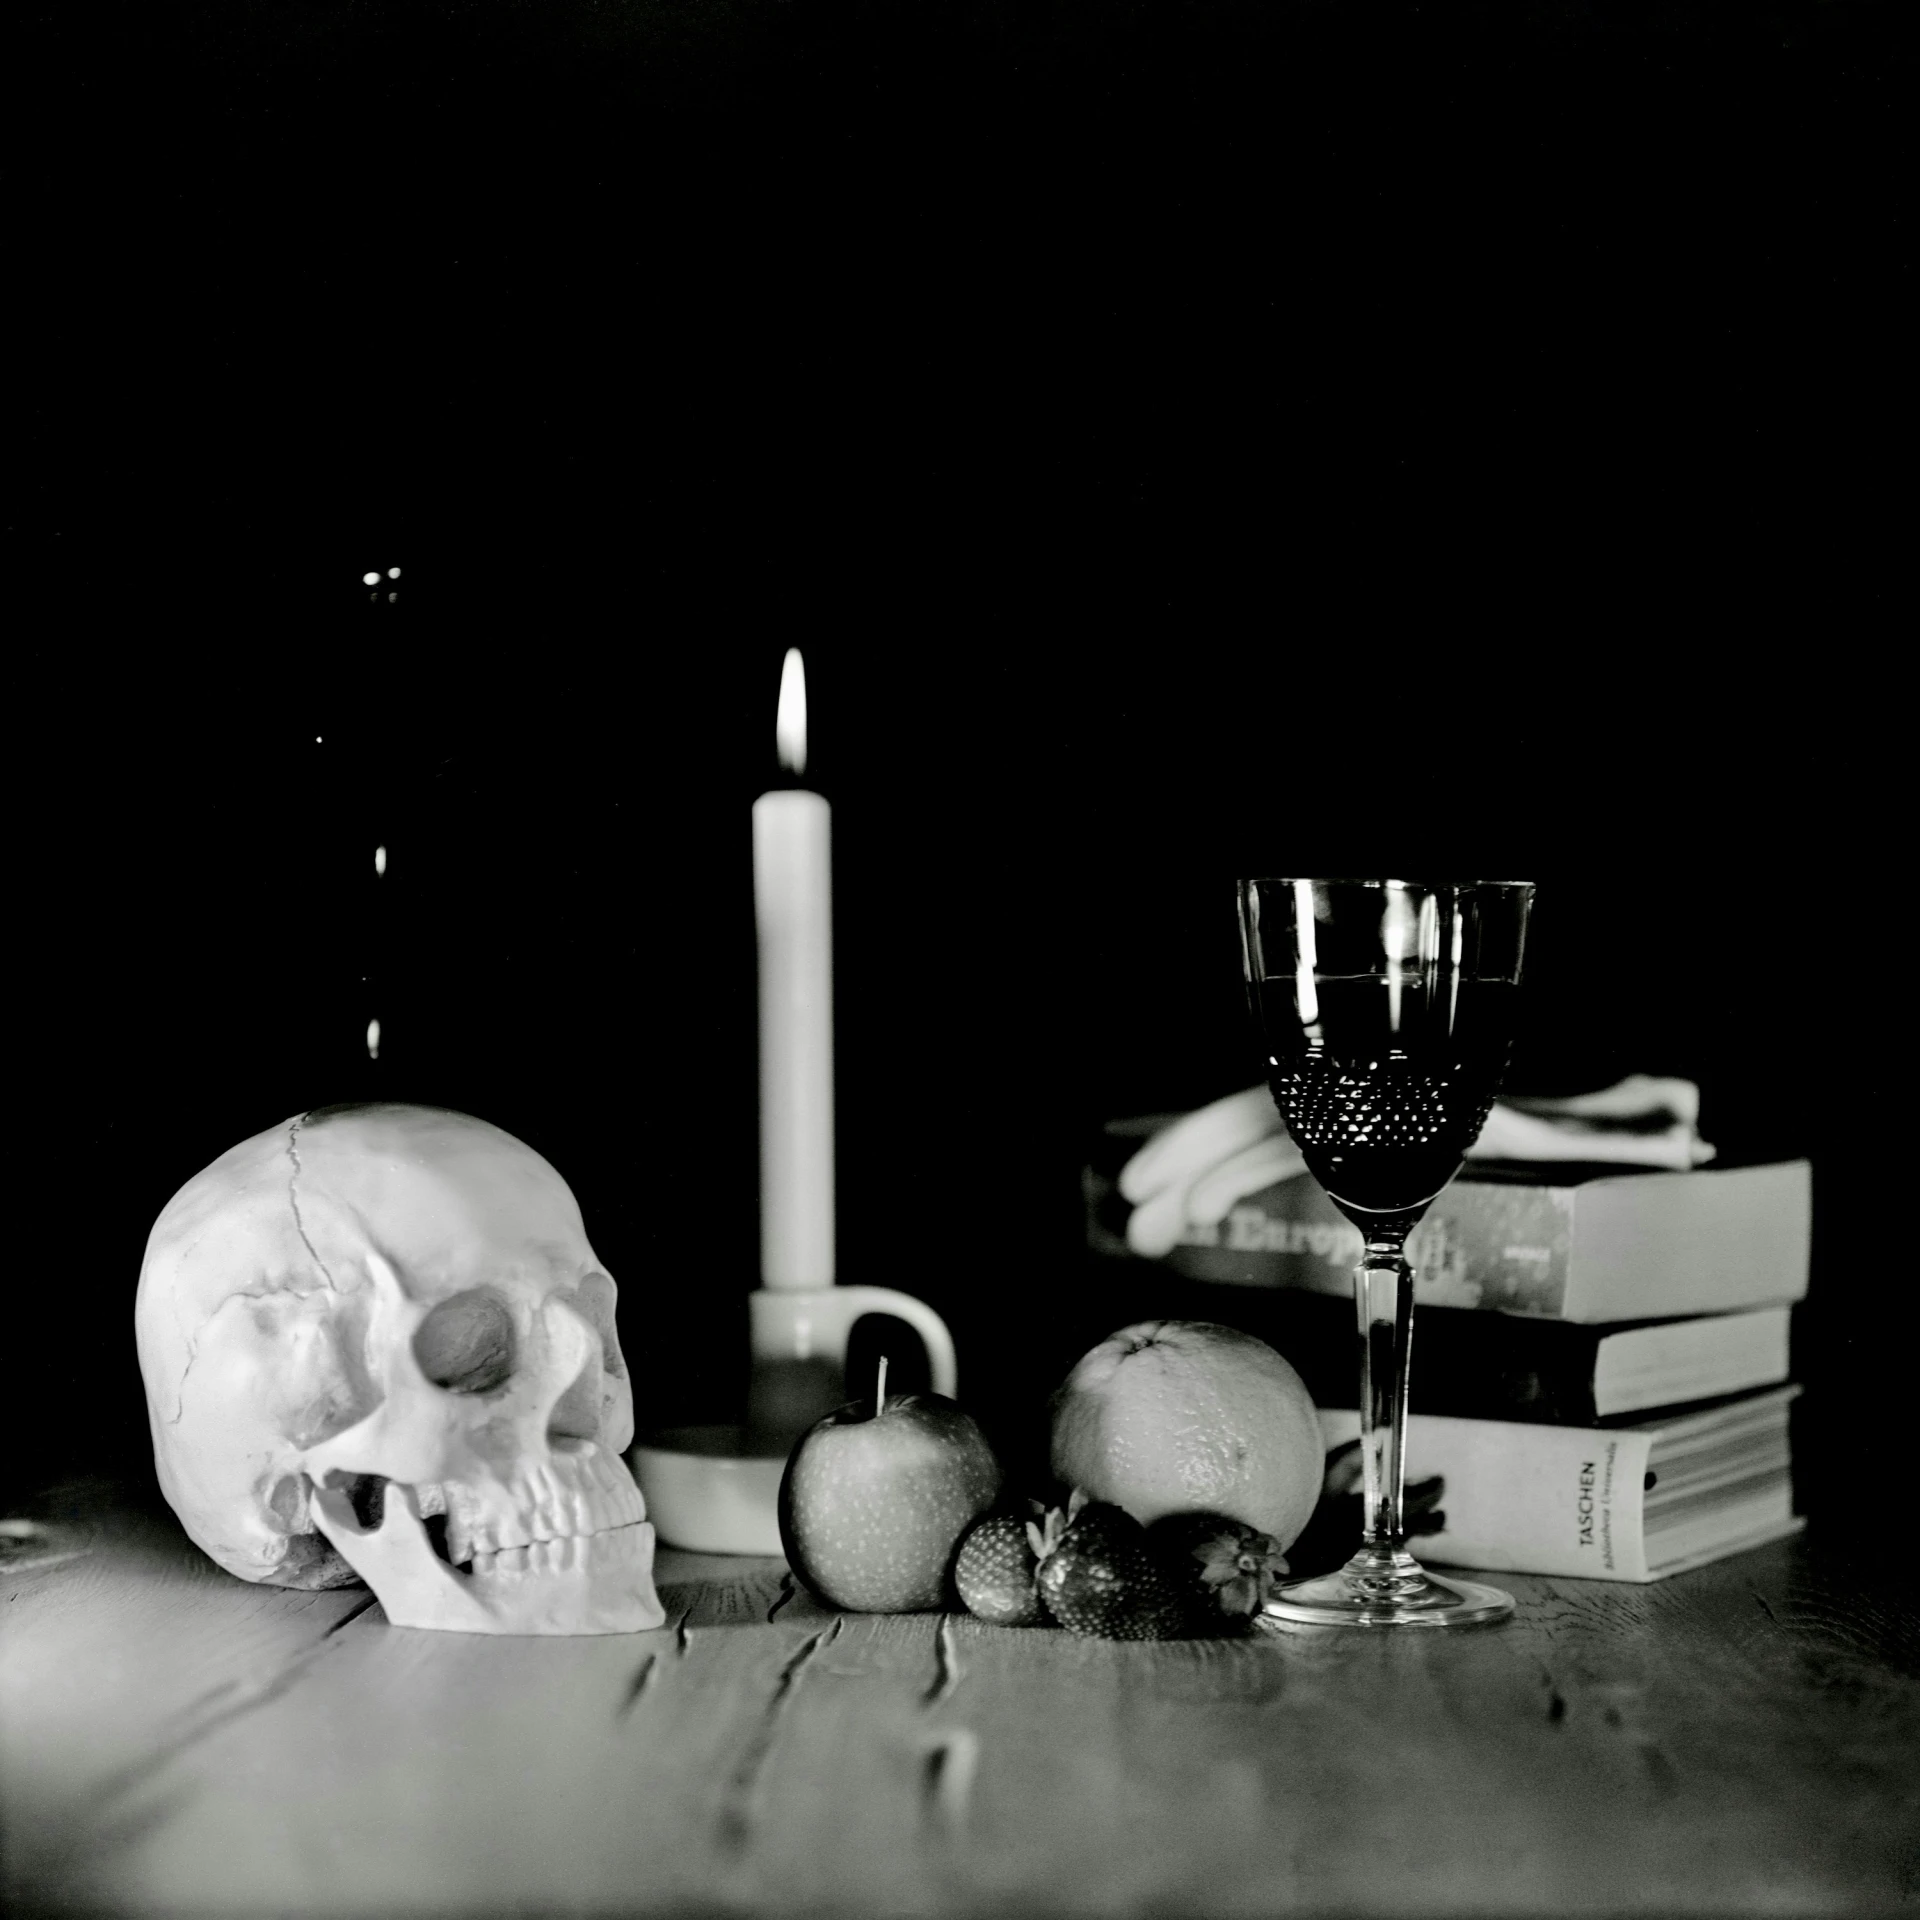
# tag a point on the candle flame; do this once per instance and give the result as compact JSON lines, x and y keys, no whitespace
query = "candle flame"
{"x":790,"y":723}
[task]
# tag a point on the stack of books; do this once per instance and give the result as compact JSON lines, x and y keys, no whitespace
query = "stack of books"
{"x":1601,"y":1368}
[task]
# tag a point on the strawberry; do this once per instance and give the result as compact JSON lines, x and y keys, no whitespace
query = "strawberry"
{"x":995,"y":1570}
{"x":1222,"y":1568}
{"x":1098,"y":1576}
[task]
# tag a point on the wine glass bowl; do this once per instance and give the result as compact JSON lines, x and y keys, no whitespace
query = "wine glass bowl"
{"x":1386,"y":1009}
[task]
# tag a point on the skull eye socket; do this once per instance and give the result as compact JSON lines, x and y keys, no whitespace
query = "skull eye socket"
{"x":466,"y":1343}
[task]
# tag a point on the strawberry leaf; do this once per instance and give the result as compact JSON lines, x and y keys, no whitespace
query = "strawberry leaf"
{"x":1045,"y":1537}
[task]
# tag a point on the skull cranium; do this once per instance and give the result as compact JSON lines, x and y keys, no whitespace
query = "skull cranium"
{"x":376,"y":1343}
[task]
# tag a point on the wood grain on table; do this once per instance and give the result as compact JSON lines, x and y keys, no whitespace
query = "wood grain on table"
{"x":1740,"y":1740}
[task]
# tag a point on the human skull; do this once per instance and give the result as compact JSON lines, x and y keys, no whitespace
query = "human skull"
{"x":376,"y":1344}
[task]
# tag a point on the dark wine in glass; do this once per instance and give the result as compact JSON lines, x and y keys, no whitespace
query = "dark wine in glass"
{"x":1387,"y":1010}
{"x":1383,"y":1092}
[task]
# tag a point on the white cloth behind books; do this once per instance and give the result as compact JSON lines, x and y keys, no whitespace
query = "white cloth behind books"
{"x":1197,"y":1166}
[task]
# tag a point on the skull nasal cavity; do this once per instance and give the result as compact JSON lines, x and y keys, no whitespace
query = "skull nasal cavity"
{"x":466,"y":1343}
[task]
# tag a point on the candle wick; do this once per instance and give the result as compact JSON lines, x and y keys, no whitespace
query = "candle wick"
{"x":880,"y":1389}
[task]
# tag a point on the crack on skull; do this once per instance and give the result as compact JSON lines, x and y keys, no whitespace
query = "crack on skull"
{"x":293,"y":1201}
{"x":180,"y":1389}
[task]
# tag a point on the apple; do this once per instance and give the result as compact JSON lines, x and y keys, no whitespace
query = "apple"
{"x":873,"y":1504}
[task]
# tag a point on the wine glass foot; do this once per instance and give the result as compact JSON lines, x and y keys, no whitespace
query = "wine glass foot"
{"x":1385,"y":1589}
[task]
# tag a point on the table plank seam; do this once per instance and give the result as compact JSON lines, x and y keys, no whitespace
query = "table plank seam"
{"x":947,"y":1670}
{"x":263,"y":1694}
{"x":116,"y":1825}
{"x":736,"y":1814}
{"x":638,"y":1685}
{"x":347,"y":1619}
{"x":952,"y":1759}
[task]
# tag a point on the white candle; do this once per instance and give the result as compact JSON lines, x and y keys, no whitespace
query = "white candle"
{"x":793,"y":908}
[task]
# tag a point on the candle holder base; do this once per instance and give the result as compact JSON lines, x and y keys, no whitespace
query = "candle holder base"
{"x":711,"y":1489}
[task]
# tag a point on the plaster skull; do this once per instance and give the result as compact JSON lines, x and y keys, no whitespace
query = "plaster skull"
{"x":373,"y":1330}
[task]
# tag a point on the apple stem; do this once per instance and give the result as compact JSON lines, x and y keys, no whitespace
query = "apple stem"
{"x":880,"y":1389}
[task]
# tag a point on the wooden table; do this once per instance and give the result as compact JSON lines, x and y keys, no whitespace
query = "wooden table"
{"x":1740,"y":1740}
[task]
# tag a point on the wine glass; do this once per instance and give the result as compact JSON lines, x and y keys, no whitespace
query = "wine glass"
{"x":1387,"y":1010}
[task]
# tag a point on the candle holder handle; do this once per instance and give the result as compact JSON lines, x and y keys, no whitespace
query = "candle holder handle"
{"x":812,"y":1323}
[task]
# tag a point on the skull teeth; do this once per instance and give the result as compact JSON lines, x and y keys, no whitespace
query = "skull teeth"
{"x":581,"y":1492}
{"x":574,"y":1553}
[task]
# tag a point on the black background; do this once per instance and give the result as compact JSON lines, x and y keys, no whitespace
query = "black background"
{"x":1183,"y":437}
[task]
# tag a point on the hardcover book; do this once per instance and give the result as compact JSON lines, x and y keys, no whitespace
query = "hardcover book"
{"x":1631,"y":1503}
{"x":1589,"y":1245}
{"x":1505,"y":1367}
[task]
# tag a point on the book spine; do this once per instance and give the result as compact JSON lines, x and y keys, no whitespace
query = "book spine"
{"x":1498,"y":1246}
{"x":1527,"y":1499}
{"x":1478,"y":1366}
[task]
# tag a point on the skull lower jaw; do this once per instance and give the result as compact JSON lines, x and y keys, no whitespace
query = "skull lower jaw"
{"x":600,"y":1582}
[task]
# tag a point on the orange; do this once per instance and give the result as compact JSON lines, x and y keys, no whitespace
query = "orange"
{"x":1182,"y":1416}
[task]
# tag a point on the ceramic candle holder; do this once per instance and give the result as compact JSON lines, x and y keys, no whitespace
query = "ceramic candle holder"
{"x":715,"y":1489}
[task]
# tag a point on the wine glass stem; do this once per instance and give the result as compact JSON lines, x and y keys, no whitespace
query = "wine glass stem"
{"x":1383,"y":1303}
